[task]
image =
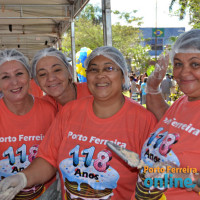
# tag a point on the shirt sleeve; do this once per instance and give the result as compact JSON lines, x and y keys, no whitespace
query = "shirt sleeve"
{"x":51,"y":143}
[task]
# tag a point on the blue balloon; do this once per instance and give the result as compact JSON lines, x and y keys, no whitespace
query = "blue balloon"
{"x":84,"y":79}
{"x":81,"y":78}
{"x":82,"y":55}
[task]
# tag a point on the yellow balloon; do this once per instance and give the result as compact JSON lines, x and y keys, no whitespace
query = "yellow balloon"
{"x":89,"y":52}
{"x":82,"y":72}
{"x":78,"y":68}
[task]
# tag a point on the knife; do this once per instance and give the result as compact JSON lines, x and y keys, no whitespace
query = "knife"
{"x":130,"y":157}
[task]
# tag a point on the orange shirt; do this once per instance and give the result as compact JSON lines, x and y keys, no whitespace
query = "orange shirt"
{"x":34,"y":89}
{"x":82,"y":91}
{"x":20,"y":136}
{"x":76,"y":145}
{"x":176,"y":138}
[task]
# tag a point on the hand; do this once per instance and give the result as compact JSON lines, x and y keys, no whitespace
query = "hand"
{"x":195,"y":179}
{"x":12,"y":185}
{"x":156,"y":77}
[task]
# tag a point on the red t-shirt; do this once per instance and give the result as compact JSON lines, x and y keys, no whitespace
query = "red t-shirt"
{"x":82,"y":91}
{"x":35,"y":90}
{"x":176,"y":138}
{"x":20,"y":136}
{"x":76,"y":145}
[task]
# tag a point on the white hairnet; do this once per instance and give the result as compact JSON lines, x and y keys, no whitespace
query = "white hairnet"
{"x":12,"y":54}
{"x":48,"y":52}
{"x":114,"y":55}
{"x":188,"y":42}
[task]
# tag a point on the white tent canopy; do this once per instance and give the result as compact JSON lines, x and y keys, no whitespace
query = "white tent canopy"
{"x":31,"y":25}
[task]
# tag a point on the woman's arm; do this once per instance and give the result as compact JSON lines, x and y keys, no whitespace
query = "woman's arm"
{"x":156,"y":104}
{"x":154,"y":100}
{"x":38,"y":172}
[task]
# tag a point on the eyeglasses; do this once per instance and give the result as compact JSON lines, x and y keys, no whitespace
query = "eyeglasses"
{"x":107,"y":70}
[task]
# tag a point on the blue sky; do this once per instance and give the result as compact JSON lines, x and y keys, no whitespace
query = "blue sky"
{"x":147,"y":10}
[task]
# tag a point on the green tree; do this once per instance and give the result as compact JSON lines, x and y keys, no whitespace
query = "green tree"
{"x":129,"y":17}
{"x":194,"y":10}
{"x":86,"y":35}
{"x":126,"y":38}
{"x":93,"y":13}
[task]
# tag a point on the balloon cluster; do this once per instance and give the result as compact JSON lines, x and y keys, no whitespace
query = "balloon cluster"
{"x":80,"y":68}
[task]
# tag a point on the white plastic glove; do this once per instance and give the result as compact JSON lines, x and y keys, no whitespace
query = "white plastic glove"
{"x":12,"y":185}
{"x":156,"y":77}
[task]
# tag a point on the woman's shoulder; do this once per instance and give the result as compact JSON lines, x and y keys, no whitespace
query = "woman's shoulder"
{"x":180,"y":100}
{"x":82,"y":90}
{"x":135,"y":106}
{"x":78,"y":103}
{"x":134,"y":109}
{"x":48,"y":98}
{"x":43,"y":103}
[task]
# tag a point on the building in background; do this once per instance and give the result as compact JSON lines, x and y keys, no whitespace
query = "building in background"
{"x":159,"y":38}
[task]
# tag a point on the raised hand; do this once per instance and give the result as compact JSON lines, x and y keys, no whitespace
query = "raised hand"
{"x":156,"y":77}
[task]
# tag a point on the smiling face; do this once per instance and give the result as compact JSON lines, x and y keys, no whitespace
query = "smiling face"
{"x":53,"y":76}
{"x":186,"y":71}
{"x":14,"y":81}
{"x":102,"y":83}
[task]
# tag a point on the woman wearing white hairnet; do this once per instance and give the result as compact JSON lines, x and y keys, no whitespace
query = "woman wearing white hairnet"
{"x":176,"y":138}
{"x":51,"y":71}
{"x":24,"y":120}
{"x":76,"y":141}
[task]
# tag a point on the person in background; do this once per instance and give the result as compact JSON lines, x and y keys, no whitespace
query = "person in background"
{"x":135,"y":77}
{"x":52,"y":72}
{"x":145,"y":75}
{"x":133,"y":89}
{"x":173,"y":88}
{"x":140,"y":81}
{"x":143,"y":89}
{"x":175,"y":140}
{"x":75,"y":144}
{"x":166,"y":85}
{"x":24,"y":120}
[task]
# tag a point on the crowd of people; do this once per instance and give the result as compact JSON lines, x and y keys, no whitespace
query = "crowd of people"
{"x":138,"y":87}
{"x":65,"y":131}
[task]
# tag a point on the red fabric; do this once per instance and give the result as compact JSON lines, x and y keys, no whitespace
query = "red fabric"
{"x":21,"y":135}
{"x":77,"y":130}
{"x":82,"y":90}
{"x":34,"y":89}
{"x":182,"y":121}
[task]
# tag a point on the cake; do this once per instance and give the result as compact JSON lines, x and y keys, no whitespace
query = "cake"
{"x":30,"y":193}
{"x":148,"y":193}
{"x":86,"y":182}
{"x":8,"y":169}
